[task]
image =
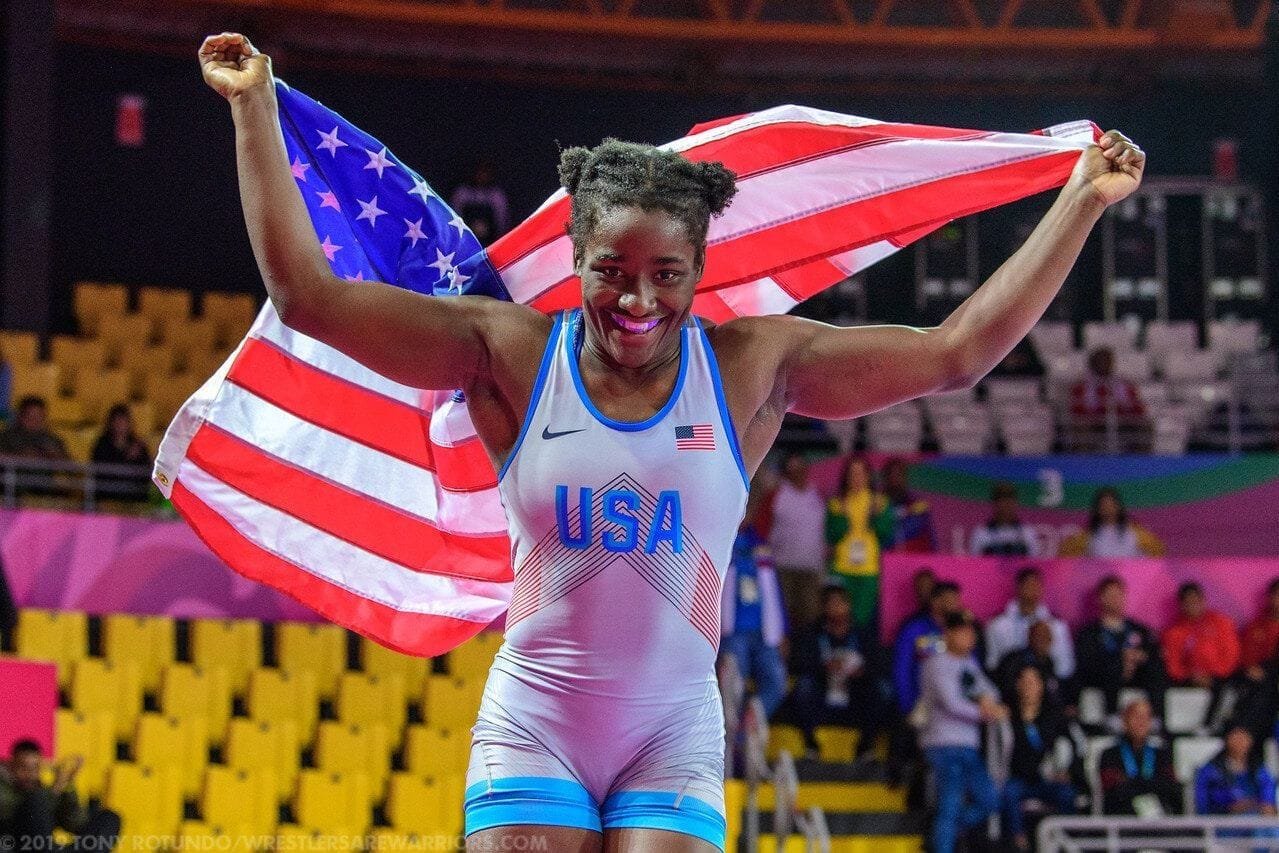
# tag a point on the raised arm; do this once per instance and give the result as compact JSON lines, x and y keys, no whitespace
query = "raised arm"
{"x":417,"y":340}
{"x":837,"y":373}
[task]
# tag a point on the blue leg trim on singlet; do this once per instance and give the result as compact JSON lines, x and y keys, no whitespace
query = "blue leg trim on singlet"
{"x":537,"y":800}
{"x":664,"y":810}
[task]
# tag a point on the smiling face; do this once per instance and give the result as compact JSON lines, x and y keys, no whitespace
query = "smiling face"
{"x":639,"y":269}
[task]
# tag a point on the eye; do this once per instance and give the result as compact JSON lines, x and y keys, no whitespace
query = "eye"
{"x":612,"y":273}
{"x":669,"y":275}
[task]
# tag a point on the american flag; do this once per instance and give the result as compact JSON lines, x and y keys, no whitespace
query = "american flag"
{"x":374,"y":503}
{"x":695,"y":437}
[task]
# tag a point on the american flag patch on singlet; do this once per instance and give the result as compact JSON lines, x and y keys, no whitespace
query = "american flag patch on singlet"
{"x":695,"y":437}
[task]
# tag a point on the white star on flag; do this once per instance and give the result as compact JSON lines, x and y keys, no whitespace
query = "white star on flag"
{"x":328,"y":199}
{"x":457,"y":278}
{"x":298,"y":168}
{"x":377,"y":160}
{"x":422,"y":189}
{"x":330,"y":249}
{"x":359,"y":276}
{"x":330,"y":141}
{"x":457,"y":223}
{"x":415,"y":232}
{"x":370,"y":211}
{"x":443,"y":262}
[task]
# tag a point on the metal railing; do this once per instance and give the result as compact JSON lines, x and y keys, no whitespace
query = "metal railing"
{"x":1136,"y":835}
{"x":80,"y":484}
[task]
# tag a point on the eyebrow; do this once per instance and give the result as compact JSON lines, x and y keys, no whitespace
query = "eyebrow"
{"x":618,"y":256}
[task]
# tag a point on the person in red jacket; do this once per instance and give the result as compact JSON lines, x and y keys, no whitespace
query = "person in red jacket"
{"x":1201,"y":648}
{"x":1260,"y":639}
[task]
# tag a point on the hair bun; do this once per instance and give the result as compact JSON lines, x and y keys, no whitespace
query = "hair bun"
{"x":573,"y":167}
{"x":720,"y":185}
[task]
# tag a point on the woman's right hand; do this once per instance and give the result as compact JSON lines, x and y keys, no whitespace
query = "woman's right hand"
{"x":232,"y":66}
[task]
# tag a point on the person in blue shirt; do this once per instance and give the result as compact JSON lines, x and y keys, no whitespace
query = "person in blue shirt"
{"x":919,"y":639}
{"x":753,"y":621}
{"x":1235,"y":782}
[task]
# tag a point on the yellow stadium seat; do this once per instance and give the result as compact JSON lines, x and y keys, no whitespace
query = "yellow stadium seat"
{"x":37,"y":379}
{"x":332,"y":802}
{"x":836,"y":744}
{"x":80,"y":359}
{"x":367,"y":699}
{"x":177,"y":742}
{"x":92,"y":301}
{"x":451,"y":702}
{"x":99,"y":686}
{"x":449,"y":792}
{"x":473,"y":658}
{"x":191,"y":691}
{"x":355,"y":749}
{"x":411,"y":805}
{"x":60,"y":637}
{"x":434,"y":752}
{"x":92,"y":737}
{"x":147,"y":799}
{"x":140,"y":363}
{"x":314,"y":646}
{"x":231,"y":314}
{"x":79,"y":442}
{"x":143,"y":415}
{"x":149,"y":641}
{"x":168,"y":393}
{"x":102,"y":391}
{"x":379,"y":660}
{"x":787,"y":738}
{"x":275,"y":694}
{"x":233,"y":644}
{"x":239,"y":797}
{"x":123,"y":334}
{"x":189,"y":339}
{"x":65,"y":413}
{"x":259,"y":744}
{"x":20,"y":347}
{"x":162,"y":303}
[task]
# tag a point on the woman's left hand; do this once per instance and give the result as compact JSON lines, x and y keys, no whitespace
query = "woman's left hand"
{"x":1111,"y":169}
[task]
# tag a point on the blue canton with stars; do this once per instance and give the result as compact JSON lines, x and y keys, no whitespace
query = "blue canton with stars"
{"x":375,"y":218}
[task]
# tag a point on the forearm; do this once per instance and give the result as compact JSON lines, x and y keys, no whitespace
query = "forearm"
{"x":1002,"y":311}
{"x":289,"y":257}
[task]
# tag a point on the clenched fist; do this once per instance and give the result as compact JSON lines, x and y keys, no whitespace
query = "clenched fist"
{"x":232,"y":66}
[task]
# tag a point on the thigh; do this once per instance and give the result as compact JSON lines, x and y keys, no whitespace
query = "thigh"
{"x":531,"y":837}
{"x":654,"y":841}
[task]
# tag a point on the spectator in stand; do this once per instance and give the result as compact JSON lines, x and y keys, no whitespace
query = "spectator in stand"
{"x":922,"y":584}
{"x":1201,"y":648}
{"x":834,"y":682}
{"x":958,"y":699}
{"x":1005,"y":535}
{"x":1100,"y":397}
{"x":29,"y":436}
{"x":857,"y":521}
{"x":1038,"y":653}
{"x":1137,"y":774}
{"x":1042,"y":761}
{"x":117,"y":444}
{"x":30,"y":811}
{"x":482,"y":204}
{"x":919,"y":639}
{"x":1110,"y":532}
{"x":1010,"y":631}
{"x":1258,"y":677}
{"x":1116,"y":652}
{"x":6,"y":388}
{"x":794,"y":524}
{"x":1260,"y":640}
{"x":753,"y":623}
{"x":913,"y":531}
{"x":1235,"y":782}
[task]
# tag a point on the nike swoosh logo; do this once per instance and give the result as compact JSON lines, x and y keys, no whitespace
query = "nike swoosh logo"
{"x":548,"y":435}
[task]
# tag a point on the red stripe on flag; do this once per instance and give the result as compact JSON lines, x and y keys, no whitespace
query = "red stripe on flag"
{"x":355,"y":518}
{"x":409,"y":633}
{"x":809,"y":279}
{"x":359,"y":414}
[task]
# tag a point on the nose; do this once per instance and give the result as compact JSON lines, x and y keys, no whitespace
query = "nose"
{"x":640,"y":300}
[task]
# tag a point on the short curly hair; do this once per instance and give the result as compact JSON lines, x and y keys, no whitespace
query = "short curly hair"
{"x":628,"y":174}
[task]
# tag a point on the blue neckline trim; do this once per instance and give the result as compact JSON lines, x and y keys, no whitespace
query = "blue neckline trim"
{"x":571,"y":351}
{"x":538,"y":384}
{"x":725,"y":417}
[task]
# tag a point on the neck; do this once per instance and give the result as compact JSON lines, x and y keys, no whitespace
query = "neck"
{"x":598,"y":357}
{"x":1112,"y":618}
{"x":1137,"y":743}
{"x":1030,"y":708}
{"x":1027,"y":609}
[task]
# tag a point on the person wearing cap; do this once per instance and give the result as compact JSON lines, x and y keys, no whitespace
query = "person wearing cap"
{"x":958,"y":700}
{"x":1005,"y":535}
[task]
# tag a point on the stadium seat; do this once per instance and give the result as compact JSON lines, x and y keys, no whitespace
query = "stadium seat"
{"x":1163,"y":338}
{"x":355,"y":748}
{"x":124,"y":334}
{"x":332,"y":802}
{"x":1195,"y":364}
{"x":99,"y":686}
{"x":275,"y":694}
{"x":896,"y":430}
{"x":60,"y":637}
{"x":1189,"y":753}
{"x":241,"y":797}
{"x":313,"y":646}
{"x":432,"y":751}
{"x":189,"y":340}
{"x":159,"y":304}
{"x":147,"y":801}
{"x":93,"y":304}
{"x":963,"y":433}
{"x":177,"y":742}
{"x":1092,"y":762}
{"x":201,"y":835}
{"x":451,"y":703}
{"x":1171,"y":424}
{"x":80,"y":359}
{"x":192,"y":691}
{"x":427,"y":807}
{"x":1052,"y":338}
{"x":139,"y":362}
{"x":365,"y":699}
{"x":230,"y":313}
{"x":259,"y":744}
{"x":473,"y":658}
{"x":1115,"y":336}
{"x":35,"y":379}
{"x":103,"y":390}
{"x":233,"y":644}
{"x":167,"y":392}
{"x":1132,"y":365}
{"x":1234,"y":335}
{"x":91,"y":736}
{"x":1007,"y":389}
{"x":149,"y":641}
{"x":1026,"y":432}
{"x":1186,"y":709}
{"x":20,"y":347}
{"x":379,"y":660}
{"x":79,"y":442}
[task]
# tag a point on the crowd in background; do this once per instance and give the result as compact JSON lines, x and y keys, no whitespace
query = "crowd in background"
{"x":801,"y":620}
